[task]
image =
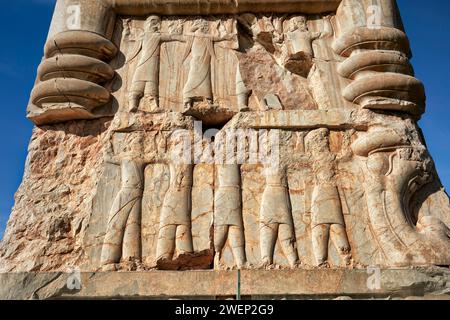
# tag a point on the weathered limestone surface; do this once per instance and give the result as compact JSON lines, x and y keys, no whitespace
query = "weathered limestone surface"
{"x":277,"y":137}
{"x":413,"y":283}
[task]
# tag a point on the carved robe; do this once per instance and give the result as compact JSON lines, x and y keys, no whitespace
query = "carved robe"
{"x":122,"y":238}
{"x":276,"y":205}
{"x":227,"y":210}
{"x":227,"y":200}
{"x":147,"y":69}
{"x":199,"y":83}
{"x":326,"y":203}
{"x":130,"y":194}
{"x":177,"y":204}
{"x":326,"y":206}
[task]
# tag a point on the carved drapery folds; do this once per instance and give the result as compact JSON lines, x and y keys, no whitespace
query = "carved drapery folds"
{"x":352,"y":185}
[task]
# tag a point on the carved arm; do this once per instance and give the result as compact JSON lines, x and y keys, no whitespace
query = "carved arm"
{"x":109,"y":156}
{"x":173,"y":38}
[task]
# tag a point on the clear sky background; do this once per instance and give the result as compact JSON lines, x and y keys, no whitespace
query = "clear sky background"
{"x":25,"y":26}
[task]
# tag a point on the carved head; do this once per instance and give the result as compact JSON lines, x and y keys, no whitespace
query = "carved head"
{"x":317,"y":141}
{"x":129,"y":145}
{"x":249,"y":22}
{"x":298,"y":23}
{"x":176,"y":27}
{"x":205,"y":26}
{"x":152,"y":24}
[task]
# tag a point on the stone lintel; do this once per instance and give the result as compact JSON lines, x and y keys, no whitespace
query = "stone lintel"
{"x":339,"y":119}
{"x":203,"y":7}
{"x":333,"y":119}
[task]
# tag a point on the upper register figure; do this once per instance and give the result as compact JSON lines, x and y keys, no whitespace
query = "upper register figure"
{"x":145,"y":81}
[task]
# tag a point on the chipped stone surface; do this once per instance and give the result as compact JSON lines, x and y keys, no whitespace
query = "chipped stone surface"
{"x":48,"y":223}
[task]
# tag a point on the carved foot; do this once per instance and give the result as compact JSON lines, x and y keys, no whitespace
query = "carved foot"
{"x":150,"y":263}
{"x":266,"y":264}
{"x":130,"y":265}
{"x":348,"y":259}
{"x":244,"y":266}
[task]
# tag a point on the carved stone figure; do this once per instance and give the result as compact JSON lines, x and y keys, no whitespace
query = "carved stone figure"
{"x":297,"y":54}
{"x":276,"y":218}
{"x":122,"y":238}
{"x":327,"y":217}
{"x":175,"y":234}
{"x":298,"y":38}
{"x":228,"y":223}
{"x":145,"y":83}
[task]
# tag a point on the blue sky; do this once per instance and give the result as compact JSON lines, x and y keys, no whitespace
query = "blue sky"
{"x":25,"y":26}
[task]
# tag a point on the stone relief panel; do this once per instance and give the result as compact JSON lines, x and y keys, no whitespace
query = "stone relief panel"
{"x":241,"y":60}
{"x":215,"y":67}
{"x":209,"y":67}
{"x":308,"y":211}
{"x":182,"y":64}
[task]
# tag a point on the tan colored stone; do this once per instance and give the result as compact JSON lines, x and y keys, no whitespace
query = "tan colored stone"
{"x":276,"y":137}
{"x":426,"y":284}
